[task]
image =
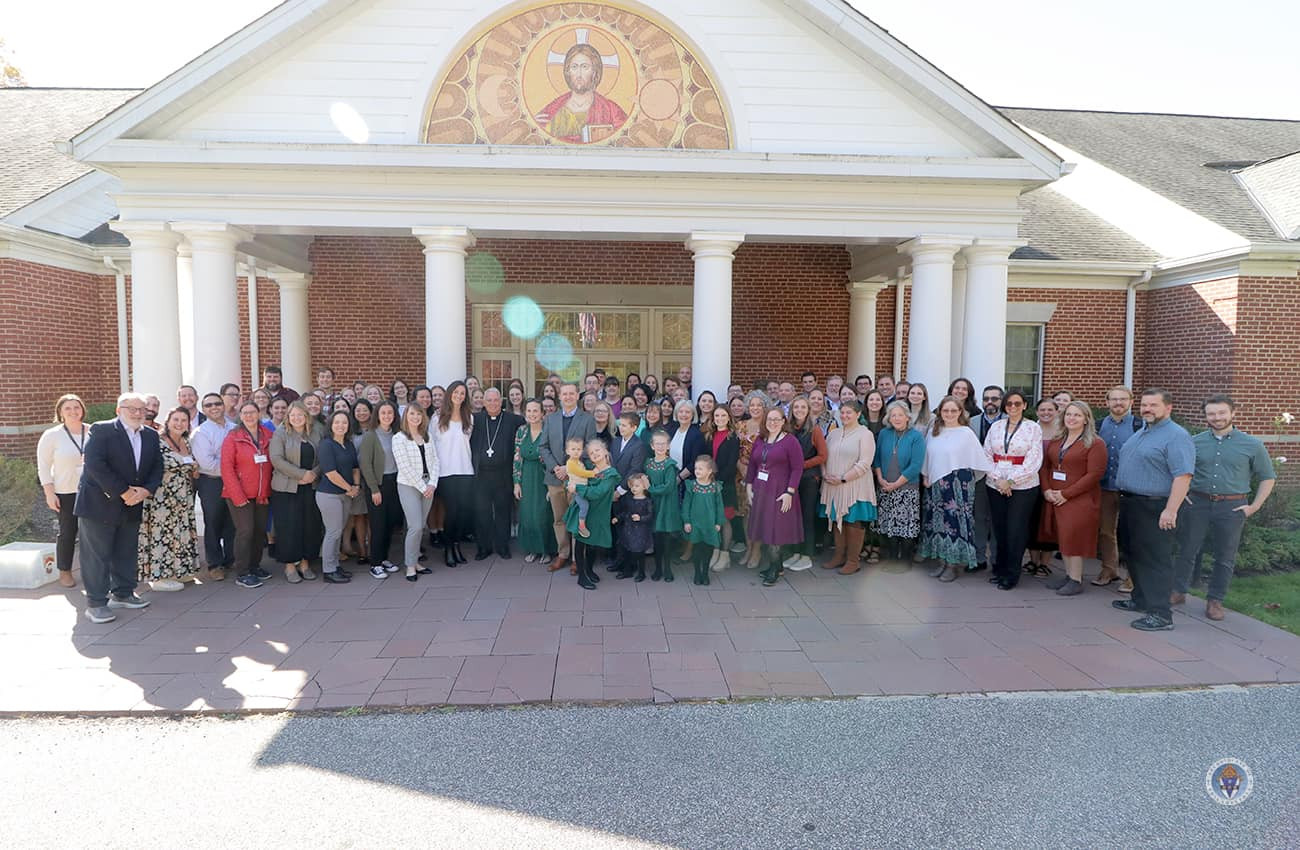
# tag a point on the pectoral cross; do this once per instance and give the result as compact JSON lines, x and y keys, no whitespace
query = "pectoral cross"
{"x":490,"y":452}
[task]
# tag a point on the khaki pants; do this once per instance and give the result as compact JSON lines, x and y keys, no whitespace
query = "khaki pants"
{"x":558,"y":496}
{"x":1108,"y":535}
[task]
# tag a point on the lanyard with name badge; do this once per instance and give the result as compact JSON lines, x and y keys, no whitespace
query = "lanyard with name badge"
{"x":1058,"y":474}
{"x":81,"y":447}
{"x":762,"y":462}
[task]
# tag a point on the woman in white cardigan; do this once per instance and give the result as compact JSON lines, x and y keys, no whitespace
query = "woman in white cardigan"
{"x":59,"y":456}
{"x":953,"y":458}
{"x":848,"y":497}
{"x":417,"y":479}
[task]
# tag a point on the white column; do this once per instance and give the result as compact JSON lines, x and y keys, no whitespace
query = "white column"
{"x":958,"y":316}
{"x":295,"y":329}
{"x":445,"y":347}
{"x":711,"y":316}
{"x":862,"y":327}
{"x":984,"y":352}
{"x":929,"y":331}
{"x":216,"y":302}
{"x":155,"y":325}
{"x":185,"y":308}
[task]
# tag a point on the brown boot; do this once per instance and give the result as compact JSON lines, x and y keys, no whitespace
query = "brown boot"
{"x":1105,"y":577}
{"x":836,"y":559}
{"x":557,"y":564}
{"x":854,"y":535}
{"x":1177,"y":598}
{"x":1214,"y":609}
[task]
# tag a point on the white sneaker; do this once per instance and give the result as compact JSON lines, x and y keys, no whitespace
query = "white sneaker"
{"x":721,"y":561}
{"x":790,"y":561}
{"x":166,"y":585}
{"x":803,"y":562}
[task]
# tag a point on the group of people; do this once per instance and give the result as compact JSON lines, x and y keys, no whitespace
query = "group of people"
{"x":643,"y":478}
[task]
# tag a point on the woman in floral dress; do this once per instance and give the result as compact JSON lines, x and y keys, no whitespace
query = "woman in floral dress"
{"x":168,"y":540}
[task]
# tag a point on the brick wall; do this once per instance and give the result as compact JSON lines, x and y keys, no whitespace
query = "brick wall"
{"x":268,"y":332}
{"x":382,"y":280}
{"x":1189,"y":336}
{"x":1083,"y":344}
{"x":1266,"y":366}
{"x":59,"y":336}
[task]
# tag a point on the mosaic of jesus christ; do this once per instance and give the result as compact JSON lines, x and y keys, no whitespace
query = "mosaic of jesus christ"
{"x":583,"y":115}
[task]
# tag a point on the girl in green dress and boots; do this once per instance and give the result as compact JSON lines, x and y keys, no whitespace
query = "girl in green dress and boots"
{"x":703,"y":516}
{"x":599,"y":493}
{"x":662,"y":472}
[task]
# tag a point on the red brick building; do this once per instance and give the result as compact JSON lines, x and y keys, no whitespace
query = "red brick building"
{"x":380,"y":177}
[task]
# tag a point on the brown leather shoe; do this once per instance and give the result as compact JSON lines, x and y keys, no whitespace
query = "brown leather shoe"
{"x":66,"y":579}
{"x":1105,"y":577}
{"x":216,"y":574}
{"x":1177,"y":598}
{"x":557,"y":564}
{"x":850,"y":567}
{"x":1214,"y":609}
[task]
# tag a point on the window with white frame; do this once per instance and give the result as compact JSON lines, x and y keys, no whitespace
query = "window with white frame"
{"x":1025,"y":360}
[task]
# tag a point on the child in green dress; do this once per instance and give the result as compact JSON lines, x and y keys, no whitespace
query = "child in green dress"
{"x":579,"y":472}
{"x":703,"y":516}
{"x":662,"y":472}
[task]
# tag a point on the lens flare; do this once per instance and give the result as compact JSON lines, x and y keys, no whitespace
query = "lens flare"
{"x":483,"y":274}
{"x":555,"y":352}
{"x":522,"y":317}
{"x":350,"y":123}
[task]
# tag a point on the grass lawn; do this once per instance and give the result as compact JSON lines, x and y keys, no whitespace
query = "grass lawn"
{"x":1255,"y":596}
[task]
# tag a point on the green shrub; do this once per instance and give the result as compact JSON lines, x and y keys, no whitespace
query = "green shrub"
{"x":101,"y":411}
{"x":1270,"y":542}
{"x":19,"y":491}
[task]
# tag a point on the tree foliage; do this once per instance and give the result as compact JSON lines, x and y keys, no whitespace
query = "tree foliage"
{"x":11,"y":76}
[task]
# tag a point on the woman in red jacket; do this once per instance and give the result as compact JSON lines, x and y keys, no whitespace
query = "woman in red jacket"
{"x":246,"y":487}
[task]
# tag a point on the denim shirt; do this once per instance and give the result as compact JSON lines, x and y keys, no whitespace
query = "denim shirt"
{"x":1115,"y":435}
{"x":1151,"y":460}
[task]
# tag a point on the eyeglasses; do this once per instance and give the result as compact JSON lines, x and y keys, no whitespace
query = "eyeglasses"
{"x":134,"y":408}
{"x":213,"y":404}
{"x":992,"y":399}
{"x":231,"y":394}
{"x":1015,"y":404}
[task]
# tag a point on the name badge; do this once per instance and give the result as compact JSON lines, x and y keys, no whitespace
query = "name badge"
{"x":186,"y":460}
{"x":259,"y":458}
{"x":762,"y":475}
{"x":1058,"y":475}
{"x":425,"y":482}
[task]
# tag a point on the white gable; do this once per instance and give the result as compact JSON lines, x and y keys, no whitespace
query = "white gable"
{"x":790,"y":86}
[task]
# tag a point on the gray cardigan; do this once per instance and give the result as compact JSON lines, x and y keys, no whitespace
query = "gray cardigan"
{"x":286,"y":453}
{"x":370,"y":458}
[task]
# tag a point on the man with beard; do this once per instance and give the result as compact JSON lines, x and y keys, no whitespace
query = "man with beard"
{"x":583,"y":115}
{"x":273,"y":383}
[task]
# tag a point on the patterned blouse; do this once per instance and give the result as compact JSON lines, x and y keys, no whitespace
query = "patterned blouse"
{"x":1016,"y":456}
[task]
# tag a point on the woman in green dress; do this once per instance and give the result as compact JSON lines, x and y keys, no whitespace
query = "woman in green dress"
{"x":599,"y":493}
{"x":662,"y":471}
{"x":703,"y":516}
{"x":536,"y":525}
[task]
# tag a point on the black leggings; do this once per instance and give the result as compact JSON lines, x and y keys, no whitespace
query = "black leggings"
{"x":1010,"y":517}
{"x":663,"y":551}
{"x":701,"y":554}
{"x":457,"y":493}
{"x":810,"y":487}
{"x":385,"y":518}
{"x":67,"y":540}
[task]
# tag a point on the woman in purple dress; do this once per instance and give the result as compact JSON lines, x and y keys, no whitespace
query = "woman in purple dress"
{"x":775,"y":466}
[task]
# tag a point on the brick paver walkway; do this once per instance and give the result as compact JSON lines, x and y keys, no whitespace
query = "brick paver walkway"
{"x":505,"y":632}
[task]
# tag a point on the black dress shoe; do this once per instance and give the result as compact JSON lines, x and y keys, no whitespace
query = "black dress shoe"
{"x":1125,"y":605}
{"x":482,"y":556}
{"x":977,"y":568}
{"x":336,"y":578}
{"x":413,"y":577}
{"x":504,"y":554}
{"x":448,"y":558}
{"x":424,"y":571}
{"x":345,"y":573}
{"x":995,"y":578}
{"x":1006,"y":584}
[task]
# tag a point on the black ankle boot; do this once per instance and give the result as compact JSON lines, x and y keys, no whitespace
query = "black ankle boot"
{"x":460,"y":558}
{"x":448,"y":557}
{"x":585,"y":577}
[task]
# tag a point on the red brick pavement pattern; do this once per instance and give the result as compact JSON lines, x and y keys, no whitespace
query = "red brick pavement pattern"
{"x":505,"y":632}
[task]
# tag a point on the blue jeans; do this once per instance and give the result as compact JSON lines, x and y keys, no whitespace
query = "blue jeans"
{"x":1224,"y":523}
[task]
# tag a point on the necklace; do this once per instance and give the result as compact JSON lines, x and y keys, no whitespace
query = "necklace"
{"x":492,"y":438}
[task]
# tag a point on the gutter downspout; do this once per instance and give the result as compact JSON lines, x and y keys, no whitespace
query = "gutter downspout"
{"x":899,"y":289}
{"x":1130,"y":323}
{"x":123,"y":367}
{"x":255,"y":368}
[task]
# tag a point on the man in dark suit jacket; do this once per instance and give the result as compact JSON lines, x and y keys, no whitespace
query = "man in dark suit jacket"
{"x":123,"y":467}
{"x":492,"y":450}
{"x":568,"y":422}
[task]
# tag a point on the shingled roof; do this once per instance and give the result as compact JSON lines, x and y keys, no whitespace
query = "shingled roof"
{"x":1059,"y":229}
{"x":1275,"y":187}
{"x":32,"y":120}
{"x":1189,"y":159}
